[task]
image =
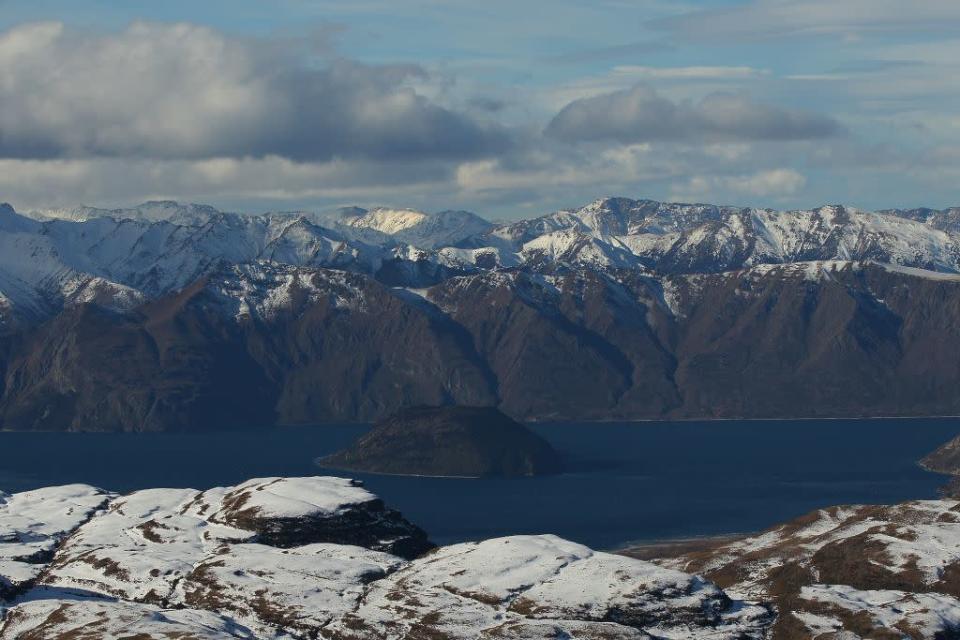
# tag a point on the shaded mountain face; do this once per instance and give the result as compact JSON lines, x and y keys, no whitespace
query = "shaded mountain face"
{"x":300,"y":346}
{"x":259,"y":346}
{"x":184,"y":317}
{"x":460,"y":441}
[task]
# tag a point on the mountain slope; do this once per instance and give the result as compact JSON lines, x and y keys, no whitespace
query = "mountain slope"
{"x":262,"y":344}
{"x":623,"y":309}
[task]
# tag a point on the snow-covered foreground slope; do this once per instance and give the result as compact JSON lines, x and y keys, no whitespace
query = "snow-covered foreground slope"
{"x":306,"y":558}
{"x":321,"y":557}
{"x":863,"y":571}
{"x":34,"y":523}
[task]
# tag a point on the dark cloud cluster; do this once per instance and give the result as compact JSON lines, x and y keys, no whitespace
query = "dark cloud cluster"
{"x":640,"y":114}
{"x":188,"y":92}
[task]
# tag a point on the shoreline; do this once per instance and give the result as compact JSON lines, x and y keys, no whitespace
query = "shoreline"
{"x":669,"y":548}
{"x":542,"y":423}
{"x":321,"y":467}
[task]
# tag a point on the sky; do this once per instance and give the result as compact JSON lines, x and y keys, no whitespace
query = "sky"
{"x":509,"y":109}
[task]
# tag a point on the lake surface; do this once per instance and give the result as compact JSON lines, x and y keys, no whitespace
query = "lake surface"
{"x":627,"y":482}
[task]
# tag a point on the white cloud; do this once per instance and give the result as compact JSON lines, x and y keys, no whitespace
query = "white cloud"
{"x":117,"y":181}
{"x":641,"y":114}
{"x":775,"y":183}
{"x":185,"y":91}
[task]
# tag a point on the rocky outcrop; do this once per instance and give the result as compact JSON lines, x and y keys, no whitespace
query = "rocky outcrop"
{"x":291,"y":512}
{"x":449,"y":441}
{"x":247,"y":562}
{"x":849,"y":572}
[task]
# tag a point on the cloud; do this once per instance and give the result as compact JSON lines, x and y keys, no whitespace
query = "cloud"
{"x":640,"y":114}
{"x":272,"y":179}
{"x":777,"y":18}
{"x":773,"y":183}
{"x":689,"y":73}
{"x":599,"y":54}
{"x":183,"y":91}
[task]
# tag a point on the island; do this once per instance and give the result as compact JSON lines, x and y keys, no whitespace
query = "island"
{"x":456,"y":441}
{"x":945,"y":459}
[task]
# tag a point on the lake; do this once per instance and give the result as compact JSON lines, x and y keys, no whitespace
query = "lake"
{"x":627,"y":482}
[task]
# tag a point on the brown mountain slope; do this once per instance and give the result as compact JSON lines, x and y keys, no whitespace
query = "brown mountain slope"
{"x":821,"y":340}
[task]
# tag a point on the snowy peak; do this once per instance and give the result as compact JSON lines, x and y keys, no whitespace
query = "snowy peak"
{"x":691,"y":238}
{"x":388,"y":221}
{"x":159,"y":247}
{"x":424,"y":230}
{"x":571,"y":246}
{"x":152,"y":211}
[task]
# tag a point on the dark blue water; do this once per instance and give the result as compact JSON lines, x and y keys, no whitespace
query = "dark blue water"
{"x":627,"y":482}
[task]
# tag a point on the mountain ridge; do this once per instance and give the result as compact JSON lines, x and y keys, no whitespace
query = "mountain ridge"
{"x":623,"y":309}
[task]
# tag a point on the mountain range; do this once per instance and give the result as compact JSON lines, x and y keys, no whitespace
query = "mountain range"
{"x":169,"y":316}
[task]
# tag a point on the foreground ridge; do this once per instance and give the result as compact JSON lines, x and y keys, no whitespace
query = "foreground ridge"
{"x":317,"y":558}
{"x":321,"y":557}
{"x":869,"y":571}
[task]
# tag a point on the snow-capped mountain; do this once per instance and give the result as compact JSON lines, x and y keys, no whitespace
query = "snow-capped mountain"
{"x":154,"y":211}
{"x":680,"y":238}
{"x":158,"y":248}
{"x":620,"y":309}
{"x":409,"y":226}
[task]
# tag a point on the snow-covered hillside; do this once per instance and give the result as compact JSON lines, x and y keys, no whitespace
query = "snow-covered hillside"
{"x":320,"y":557}
{"x":860,"y":571}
